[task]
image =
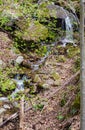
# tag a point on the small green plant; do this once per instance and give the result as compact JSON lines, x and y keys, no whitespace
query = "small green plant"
{"x":42,"y":50}
{"x":38,"y":106}
{"x":61,"y":58}
{"x":77,"y":63}
{"x":60,"y":117}
{"x":73,"y":51}
{"x":75,"y":105}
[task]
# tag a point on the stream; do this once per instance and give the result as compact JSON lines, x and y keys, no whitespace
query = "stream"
{"x":19,"y":79}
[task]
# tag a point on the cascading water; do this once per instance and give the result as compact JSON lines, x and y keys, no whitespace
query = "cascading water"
{"x":67,"y":26}
{"x":19,"y":80}
{"x":69,"y":32}
{"x":69,"y":29}
{"x":69,"y":20}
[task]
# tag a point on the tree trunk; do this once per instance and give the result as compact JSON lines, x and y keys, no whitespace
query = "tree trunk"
{"x":82,"y":29}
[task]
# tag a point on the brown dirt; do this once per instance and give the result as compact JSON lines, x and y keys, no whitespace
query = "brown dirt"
{"x":47,"y":118}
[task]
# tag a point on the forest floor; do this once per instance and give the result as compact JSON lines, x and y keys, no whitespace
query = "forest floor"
{"x":55,"y":106}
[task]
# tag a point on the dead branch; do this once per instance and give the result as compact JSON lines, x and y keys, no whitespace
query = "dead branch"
{"x":15,"y":115}
{"x":55,"y":92}
{"x":70,"y":80}
{"x":22,"y":113}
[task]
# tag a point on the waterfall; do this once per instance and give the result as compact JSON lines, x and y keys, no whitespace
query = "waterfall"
{"x":69,"y":32}
{"x":19,"y":80}
{"x":69,"y":29}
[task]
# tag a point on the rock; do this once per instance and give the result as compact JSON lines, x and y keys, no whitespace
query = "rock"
{"x":2,"y":110}
{"x":2,"y":64}
{"x":55,"y":76}
{"x":57,"y":83}
{"x":37,"y":79}
{"x":6,"y":106}
{"x":45,"y":86}
{"x":4,"y":99}
{"x":19,"y":59}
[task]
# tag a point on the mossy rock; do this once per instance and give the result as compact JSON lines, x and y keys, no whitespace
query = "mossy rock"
{"x":73,"y":51}
{"x":57,"y":78}
{"x":61,"y":58}
{"x":61,"y":50}
{"x":33,"y":89}
{"x":45,"y":86}
{"x":34,"y":32}
{"x":37,"y":79}
{"x":57,"y":83}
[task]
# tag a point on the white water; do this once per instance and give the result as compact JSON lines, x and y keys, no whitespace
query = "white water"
{"x":20,"y":84}
{"x":69,"y":29}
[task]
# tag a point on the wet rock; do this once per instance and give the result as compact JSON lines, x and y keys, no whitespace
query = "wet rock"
{"x":6,"y":106}
{"x":19,"y":59}
{"x":4,"y":99}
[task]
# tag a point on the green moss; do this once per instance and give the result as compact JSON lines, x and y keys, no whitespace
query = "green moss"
{"x":33,"y":89}
{"x":37,"y":78}
{"x":73,"y":51}
{"x":38,"y":107}
{"x":7,"y":86}
{"x":55,"y":76}
{"x":61,"y":58}
{"x":74,"y":109}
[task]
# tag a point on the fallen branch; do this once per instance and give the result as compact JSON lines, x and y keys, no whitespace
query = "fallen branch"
{"x":64,"y":85}
{"x":70,"y":80}
{"x":22,"y":113}
{"x":15,"y":115}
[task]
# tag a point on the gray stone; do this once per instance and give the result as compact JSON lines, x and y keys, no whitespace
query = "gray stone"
{"x":6,"y":106}
{"x":4,"y":99}
{"x":45,"y":86}
{"x":19,"y":59}
{"x":2,"y":110}
{"x":1,"y":62}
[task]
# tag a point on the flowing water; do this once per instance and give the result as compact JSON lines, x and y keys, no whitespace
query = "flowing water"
{"x":67,"y":24}
{"x":19,"y":80}
{"x":69,"y":31}
{"x":68,"y":38}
